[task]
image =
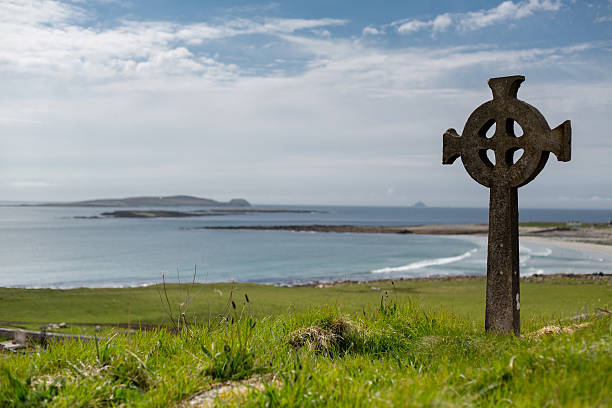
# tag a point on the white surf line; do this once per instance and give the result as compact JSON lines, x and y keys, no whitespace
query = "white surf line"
{"x":530,"y":252}
{"x":426,"y":263}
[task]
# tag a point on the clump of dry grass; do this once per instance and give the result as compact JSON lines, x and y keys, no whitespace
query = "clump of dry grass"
{"x":555,"y":330}
{"x":313,"y":337}
{"x":337,"y":335}
{"x":229,"y":392}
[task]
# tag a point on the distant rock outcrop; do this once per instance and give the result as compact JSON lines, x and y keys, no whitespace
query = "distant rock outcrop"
{"x":419,"y":204}
{"x":152,"y":202}
{"x":238,"y":202}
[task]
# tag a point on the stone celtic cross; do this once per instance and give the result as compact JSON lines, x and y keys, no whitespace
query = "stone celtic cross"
{"x":503,"y":174}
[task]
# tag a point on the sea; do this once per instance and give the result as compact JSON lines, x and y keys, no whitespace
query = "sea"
{"x":47,"y":247}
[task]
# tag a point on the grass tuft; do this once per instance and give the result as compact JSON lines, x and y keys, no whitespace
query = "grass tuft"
{"x":331,"y":336}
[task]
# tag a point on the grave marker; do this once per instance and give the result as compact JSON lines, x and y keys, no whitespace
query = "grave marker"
{"x":503,"y":176}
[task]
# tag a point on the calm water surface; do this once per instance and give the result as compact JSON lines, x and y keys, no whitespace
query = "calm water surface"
{"x":48,"y":247}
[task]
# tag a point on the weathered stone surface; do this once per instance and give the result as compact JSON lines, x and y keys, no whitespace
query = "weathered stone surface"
{"x":503,"y":176}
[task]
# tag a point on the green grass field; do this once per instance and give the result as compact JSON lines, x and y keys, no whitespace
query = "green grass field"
{"x":550,"y":299}
{"x":420,"y":344}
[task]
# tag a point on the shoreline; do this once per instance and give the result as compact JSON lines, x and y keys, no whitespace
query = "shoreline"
{"x":595,"y":238}
{"x":595,"y":276}
{"x":444,"y":229}
{"x":324,"y":284}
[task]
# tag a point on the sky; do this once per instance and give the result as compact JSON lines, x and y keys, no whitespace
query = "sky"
{"x":338,"y":102}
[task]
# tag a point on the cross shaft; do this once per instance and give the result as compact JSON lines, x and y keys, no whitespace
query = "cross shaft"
{"x":504,"y":177}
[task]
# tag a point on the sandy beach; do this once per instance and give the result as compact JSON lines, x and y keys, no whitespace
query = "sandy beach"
{"x":583,"y":246}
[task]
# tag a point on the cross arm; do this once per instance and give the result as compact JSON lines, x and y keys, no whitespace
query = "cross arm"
{"x":451,"y":146}
{"x":559,"y":141}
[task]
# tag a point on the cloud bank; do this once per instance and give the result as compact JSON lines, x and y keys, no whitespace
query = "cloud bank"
{"x":505,"y":12}
{"x":270,"y":108}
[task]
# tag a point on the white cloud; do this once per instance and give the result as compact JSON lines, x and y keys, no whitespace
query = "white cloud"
{"x":413,"y":25}
{"x":369,"y":30}
{"x":38,"y":12}
{"x":604,"y":19}
{"x":442,"y":22}
{"x":45,"y":36}
{"x":474,"y":20}
{"x":506,"y":11}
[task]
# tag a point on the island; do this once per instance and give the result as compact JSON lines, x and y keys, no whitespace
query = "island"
{"x":153,"y":201}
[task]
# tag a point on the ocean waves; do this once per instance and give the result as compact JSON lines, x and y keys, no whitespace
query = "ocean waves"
{"x":531,"y":252}
{"x":527,"y":253}
{"x":427,"y":262}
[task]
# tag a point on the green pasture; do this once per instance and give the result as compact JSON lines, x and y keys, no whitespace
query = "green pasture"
{"x":540,"y":301}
